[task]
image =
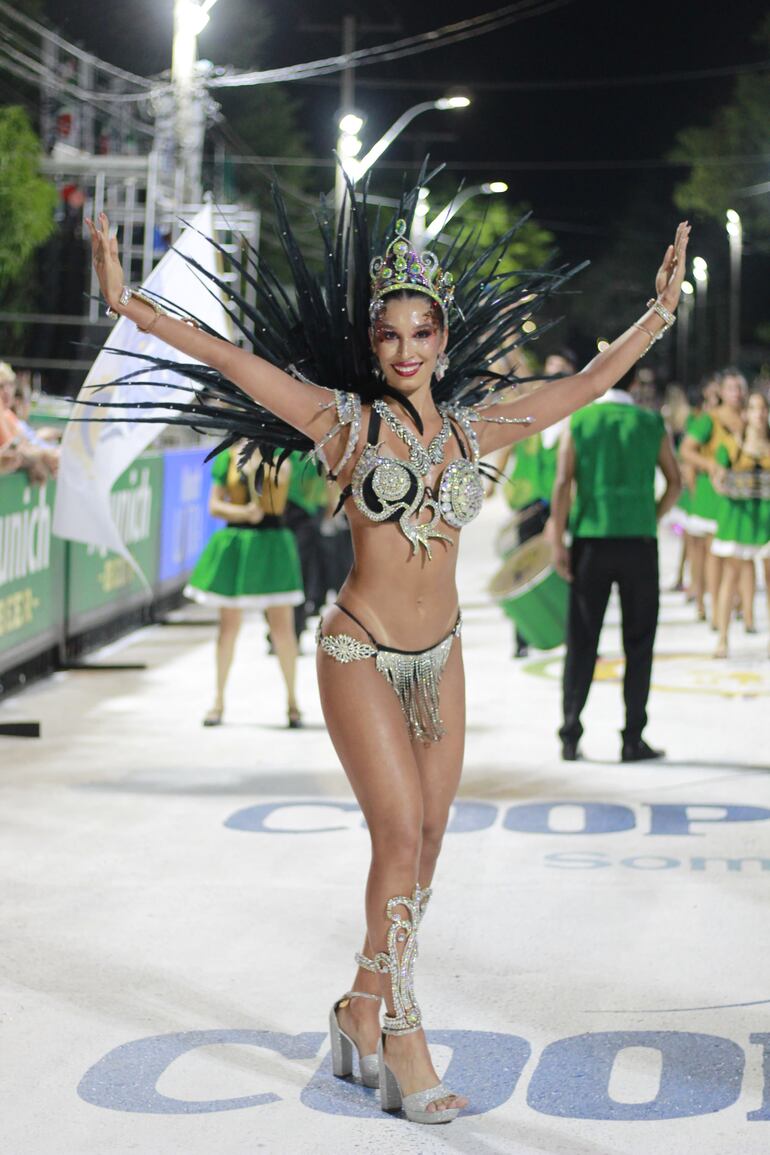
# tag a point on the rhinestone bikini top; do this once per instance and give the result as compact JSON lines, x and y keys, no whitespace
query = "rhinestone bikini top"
{"x":386,"y":488}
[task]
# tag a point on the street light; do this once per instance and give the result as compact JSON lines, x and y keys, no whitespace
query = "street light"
{"x":700,"y":272}
{"x":683,"y":334}
{"x":420,"y":219}
{"x":190,"y":18}
{"x":443,"y":104}
{"x":734,"y":228}
{"x":440,"y":222}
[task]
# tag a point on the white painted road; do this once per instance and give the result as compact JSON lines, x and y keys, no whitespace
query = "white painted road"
{"x":180,"y":906}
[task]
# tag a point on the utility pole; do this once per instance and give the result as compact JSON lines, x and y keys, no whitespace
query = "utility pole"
{"x":351,"y":26}
{"x":190,"y":18}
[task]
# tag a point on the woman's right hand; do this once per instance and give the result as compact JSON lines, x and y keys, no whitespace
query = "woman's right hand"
{"x":104,"y":250}
{"x":253,"y":513}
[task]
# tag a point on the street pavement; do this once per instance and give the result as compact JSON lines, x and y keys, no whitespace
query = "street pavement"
{"x":180,"y":907}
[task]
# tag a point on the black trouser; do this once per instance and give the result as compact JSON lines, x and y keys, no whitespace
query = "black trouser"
{"x":306,"y":528}
{"x":597,"y":564}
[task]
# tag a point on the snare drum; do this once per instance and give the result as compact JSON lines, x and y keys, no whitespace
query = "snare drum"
{"x":532,"y":594}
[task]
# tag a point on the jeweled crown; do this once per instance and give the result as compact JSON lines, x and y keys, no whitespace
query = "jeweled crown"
{"x":403,"y":267}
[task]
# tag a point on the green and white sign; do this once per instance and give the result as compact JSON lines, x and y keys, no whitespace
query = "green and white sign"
{"x":98,"y":578}
{"x":31,"y":565}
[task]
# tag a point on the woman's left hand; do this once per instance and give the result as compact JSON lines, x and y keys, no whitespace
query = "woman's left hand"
{"x":668,"y":280}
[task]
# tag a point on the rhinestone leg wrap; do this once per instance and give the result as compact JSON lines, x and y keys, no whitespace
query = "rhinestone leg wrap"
{"x":398,"y":961}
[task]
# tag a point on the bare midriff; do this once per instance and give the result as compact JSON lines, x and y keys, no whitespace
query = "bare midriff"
{"x":405,"y":601}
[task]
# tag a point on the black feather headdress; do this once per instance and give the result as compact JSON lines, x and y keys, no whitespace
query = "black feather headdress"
{"x":318,"y":328}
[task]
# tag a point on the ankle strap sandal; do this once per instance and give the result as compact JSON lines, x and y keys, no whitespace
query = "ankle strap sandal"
{"x":342,"y":1046}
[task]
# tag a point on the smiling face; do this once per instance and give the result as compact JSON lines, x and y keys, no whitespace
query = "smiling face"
{"x":407,"y":337}
{"x":733,"y":390}
{"x":757,"y":413}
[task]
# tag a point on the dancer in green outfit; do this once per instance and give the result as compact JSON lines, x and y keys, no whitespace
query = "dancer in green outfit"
{"x":724,"y":424}
{"x":250,"y":564}
{"x":743,"y":519}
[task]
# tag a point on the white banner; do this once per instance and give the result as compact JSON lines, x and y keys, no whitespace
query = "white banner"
{"x":94,"y":455}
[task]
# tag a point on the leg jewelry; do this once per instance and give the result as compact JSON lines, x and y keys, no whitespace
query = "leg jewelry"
{"x":399,"y":959}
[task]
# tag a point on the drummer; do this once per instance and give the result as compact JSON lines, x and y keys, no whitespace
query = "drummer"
{"x":530,"y":480}
{"x":609,"y":451}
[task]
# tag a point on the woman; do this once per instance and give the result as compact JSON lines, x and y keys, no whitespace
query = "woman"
{"x":250,"y":564}
{"x":396,"y":626}
{"x":743,"y":517}
{"x":722,"y":425}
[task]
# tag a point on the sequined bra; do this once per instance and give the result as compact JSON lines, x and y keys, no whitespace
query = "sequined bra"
{"x":386,"y":488}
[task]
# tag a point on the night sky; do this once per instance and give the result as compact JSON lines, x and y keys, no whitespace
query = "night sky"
{"x":586,"y":40}
{"x":577,"y":154}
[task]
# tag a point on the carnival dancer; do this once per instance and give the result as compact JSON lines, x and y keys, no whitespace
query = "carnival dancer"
{"x":250,"y":564}
{"x":743,"y":517}
{"x":403,"y":433}
{"x":723,"y":424}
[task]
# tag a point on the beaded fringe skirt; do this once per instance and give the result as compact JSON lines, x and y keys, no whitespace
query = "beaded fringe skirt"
{"x":414,"y":676}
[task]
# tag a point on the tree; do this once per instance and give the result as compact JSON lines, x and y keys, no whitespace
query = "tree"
{"x":531,"y":245}
{"x":27,"y":201}
{"x":738,"y":129}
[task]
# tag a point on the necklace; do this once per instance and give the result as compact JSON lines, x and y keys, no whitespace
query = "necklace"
{"x":420,"y":457}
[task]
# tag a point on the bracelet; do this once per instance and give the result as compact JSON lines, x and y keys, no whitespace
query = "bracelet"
{"x":153,"y":305}
{"x":123,"y":299}
{"x":653,"y":336}
{"x":666,"y":316}
{"x":126,"y":294}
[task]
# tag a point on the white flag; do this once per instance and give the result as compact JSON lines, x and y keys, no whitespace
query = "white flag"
{"x":94,"y":455}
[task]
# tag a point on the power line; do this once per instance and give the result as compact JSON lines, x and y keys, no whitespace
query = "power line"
{"x":498,"y":164}
{"x":565,"y":85}
{"x":408,"y":46}
{"x":32,"y":71}
{"x":73,"y":49}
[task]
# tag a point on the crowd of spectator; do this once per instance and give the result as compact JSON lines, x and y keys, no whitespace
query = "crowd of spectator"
{"x":22,"y":446}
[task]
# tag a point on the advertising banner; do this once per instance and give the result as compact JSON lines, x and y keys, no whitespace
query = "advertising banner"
{"x":186,"y":524}
{"x":100,"y":580}
{"x":95,"y":454}
{"x":31,"y":570}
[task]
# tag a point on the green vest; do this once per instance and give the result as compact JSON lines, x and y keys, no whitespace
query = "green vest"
{"x":616,"y":450}
{"x":306,"y":488}
{"x":522,"y":485}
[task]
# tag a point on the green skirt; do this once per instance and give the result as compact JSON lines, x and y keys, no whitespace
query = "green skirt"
{"x":743,"y":528}
{"x":249,"y":568}
{"x":704,"y":508}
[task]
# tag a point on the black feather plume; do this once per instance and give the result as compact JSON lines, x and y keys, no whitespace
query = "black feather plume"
{"x":319,"y":329}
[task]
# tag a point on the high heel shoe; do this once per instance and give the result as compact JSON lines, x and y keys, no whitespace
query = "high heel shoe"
{"x":415,"y":1106}
{"x":343,"y":1046}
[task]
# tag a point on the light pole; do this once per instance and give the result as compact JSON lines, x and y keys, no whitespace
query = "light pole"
{"x":421,"y":210}
{"x":440,"y":222}
{"x":190,"y":18}
{"x":700,"y":272}
{"x":735,"y":238}
{"x":349,"y":144}
{"x":356,"y":168}
{"x":683,"y":335}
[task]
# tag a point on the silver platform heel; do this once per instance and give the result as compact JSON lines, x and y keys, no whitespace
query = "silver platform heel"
{"x":343,"y":1046}
{"x":406,"y":1019}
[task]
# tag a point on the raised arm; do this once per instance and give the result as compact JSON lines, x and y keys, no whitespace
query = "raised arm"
{"x":557,"y":399}
{"x":297,"y":403}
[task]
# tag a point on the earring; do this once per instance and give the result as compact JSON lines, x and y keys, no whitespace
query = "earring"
{"x":442,"y":364}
